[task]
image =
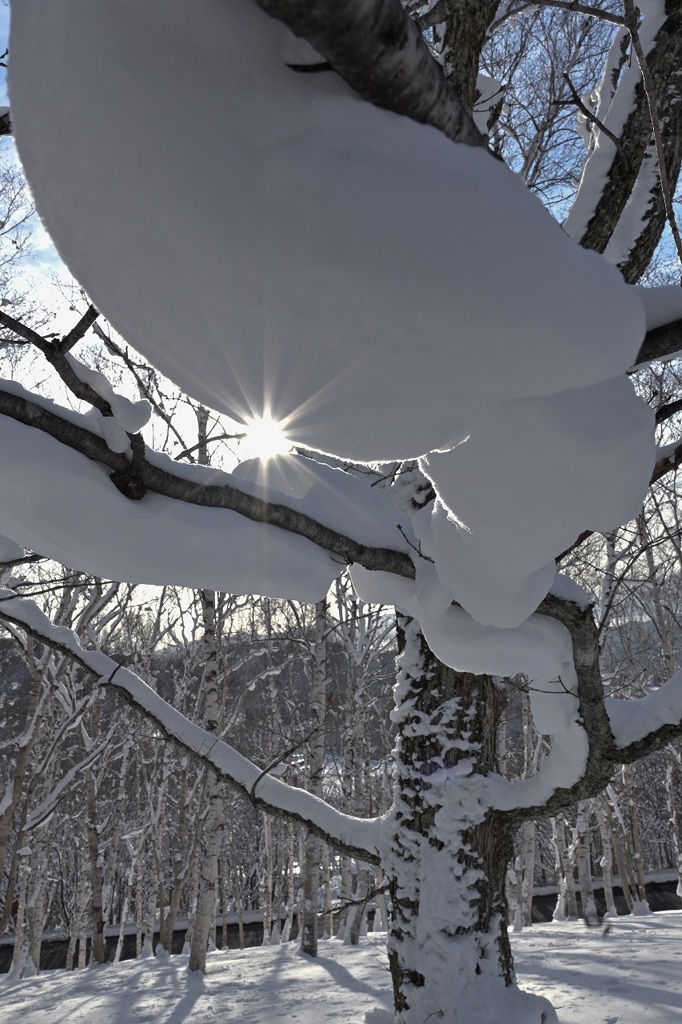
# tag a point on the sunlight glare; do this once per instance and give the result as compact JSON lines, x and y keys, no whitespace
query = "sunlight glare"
{"x":265,"y":437}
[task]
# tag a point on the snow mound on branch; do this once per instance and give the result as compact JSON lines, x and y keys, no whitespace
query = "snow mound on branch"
{"x":10,"y":550}
{"x":273,"y":244}
{"x":661,"y":305}
{"x":532,"y":476}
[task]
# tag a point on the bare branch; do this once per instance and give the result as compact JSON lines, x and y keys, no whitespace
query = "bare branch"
{"x":589,"y":115}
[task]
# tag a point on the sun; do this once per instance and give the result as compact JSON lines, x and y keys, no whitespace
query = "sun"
{"x":264,"y":438}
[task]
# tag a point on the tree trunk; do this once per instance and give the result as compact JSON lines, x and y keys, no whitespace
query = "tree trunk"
{"x":607,"y":858}
{"x":447,"y":855}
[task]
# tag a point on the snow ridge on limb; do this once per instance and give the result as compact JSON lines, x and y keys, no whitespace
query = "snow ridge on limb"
{"x":357,"y":837}
{"x":619,"y":208}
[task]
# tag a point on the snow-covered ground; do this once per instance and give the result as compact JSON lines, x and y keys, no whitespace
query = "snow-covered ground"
{"x":629,"y":976}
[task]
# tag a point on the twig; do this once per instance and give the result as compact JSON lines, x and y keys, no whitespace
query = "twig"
{"x":81,"y":329}
{"x":280,"y":758}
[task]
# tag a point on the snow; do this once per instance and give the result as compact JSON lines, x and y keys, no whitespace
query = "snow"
{"x":661,"y":305}
{"x":532,"y":476}
{"x":132,"y":416}
{"x":490,"y":94}
{"x":336,"y":499}
{"x":304,"y":283}
{"x":91,"y":526}
{"x":629,"y":976}
{"x":297,"y":275}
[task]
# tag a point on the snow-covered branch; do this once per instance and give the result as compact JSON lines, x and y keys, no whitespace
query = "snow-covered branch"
{"x":645,"y":724}
{"x":354,"y":836}
{"x":619,"y":208}
{"x":331,"y":497}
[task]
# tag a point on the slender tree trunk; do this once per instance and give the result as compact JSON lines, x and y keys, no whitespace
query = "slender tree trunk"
{"x":607,"y":858}
{"x":642,"y":906}
{"x":619,"y":854}
{"x":566,"y":905}
{"x":589,"y":907}
{"x":327,"y":923}
{"x":214,"y":821}
{"x":312,"y":845}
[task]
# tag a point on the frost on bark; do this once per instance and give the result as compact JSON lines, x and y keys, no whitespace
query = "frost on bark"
{"x":446,"y":855}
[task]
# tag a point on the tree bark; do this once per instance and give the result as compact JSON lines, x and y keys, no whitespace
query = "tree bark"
{"x":446,"y":855}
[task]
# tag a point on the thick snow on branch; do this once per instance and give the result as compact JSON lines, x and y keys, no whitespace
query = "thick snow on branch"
{"x":356,"y":833}
{"x":533,"y":475}
{"x":164,"y":540}
{"x":632,"y":720}
{"x":60,"y":504}
{"x":294,"y":254}
{"x":613,"y":109}
{"x":661,"y":305}
{"x":633,"y":218}
{"x":381,"y":291}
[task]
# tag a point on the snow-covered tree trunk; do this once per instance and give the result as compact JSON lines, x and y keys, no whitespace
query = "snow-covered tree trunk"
{"x":528,"y":863}
{"x":21,"y":963}
{"x":236,"y":875}
{"x":290,"y":896}
{"x":37,"y":904}
{"x":446,"y":857}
